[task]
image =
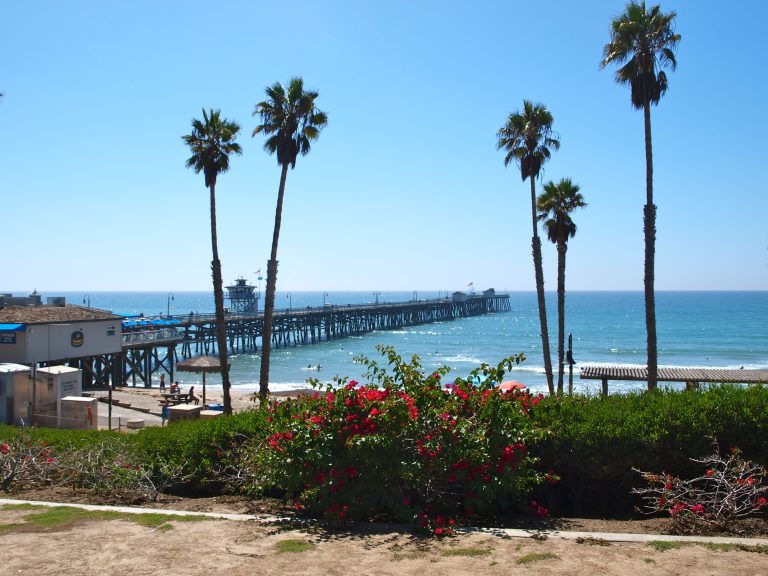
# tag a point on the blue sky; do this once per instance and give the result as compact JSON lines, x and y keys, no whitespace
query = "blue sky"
{"x":405,"y":188}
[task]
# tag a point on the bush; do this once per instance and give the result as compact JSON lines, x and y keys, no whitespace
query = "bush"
{"x":596,"y":441}
{"x":401,"y":447}
{"x":725,"y":490}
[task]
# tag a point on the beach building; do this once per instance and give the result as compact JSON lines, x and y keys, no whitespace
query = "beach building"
{"x":45,"y":334}
{"x":46,"y":351}
{"x":459,"y":296}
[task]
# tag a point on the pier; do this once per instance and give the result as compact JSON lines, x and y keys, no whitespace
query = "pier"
{"x":691,"y":376}
{"x":151,"y":346}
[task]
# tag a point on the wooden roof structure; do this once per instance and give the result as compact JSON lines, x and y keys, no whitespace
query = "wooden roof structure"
{"x":691,"y":376}
{"x":45,"y":314}
{"x":640,"y":373}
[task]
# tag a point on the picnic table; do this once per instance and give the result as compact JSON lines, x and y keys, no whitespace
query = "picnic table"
{"x":175,"y":399}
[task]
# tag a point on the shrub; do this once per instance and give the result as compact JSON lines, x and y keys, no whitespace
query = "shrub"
{"x":726,"y":489}
{"x":404,"y":447}
{"x":25,"y":462}
{"x":596,"y":441}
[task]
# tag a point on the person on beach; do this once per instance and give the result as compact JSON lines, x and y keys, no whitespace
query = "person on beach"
{"x":165,"y":414}
{"x":175,"y":388}
{"x":192,"y":395}
{"x":162,"y":381}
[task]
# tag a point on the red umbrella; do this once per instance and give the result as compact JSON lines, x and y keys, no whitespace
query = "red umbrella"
{"x":510,"y":385}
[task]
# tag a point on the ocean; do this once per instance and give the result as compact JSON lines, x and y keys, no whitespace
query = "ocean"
{"x":701,"y":329}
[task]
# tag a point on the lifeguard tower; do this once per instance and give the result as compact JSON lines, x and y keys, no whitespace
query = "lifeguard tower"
{"x":242,"y":298}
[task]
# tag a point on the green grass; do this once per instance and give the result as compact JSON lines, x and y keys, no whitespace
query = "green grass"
{"x":59,"y":516}
{"x":536,"y":557}
{"x":663,"y":545}
{"x":470,"y":551}
{"x":757,"y":548}
{"x":293,"y":545}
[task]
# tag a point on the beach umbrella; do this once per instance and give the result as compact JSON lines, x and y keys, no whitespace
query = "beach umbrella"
{"x":200,"y":364}
{"x":510,"y":385}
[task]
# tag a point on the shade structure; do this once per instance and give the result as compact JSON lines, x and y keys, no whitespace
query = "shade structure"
{"x":510,"y":385}
{"x":202,"y":364}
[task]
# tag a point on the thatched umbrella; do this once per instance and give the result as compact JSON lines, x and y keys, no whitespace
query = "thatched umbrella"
{"x":200,"y":364}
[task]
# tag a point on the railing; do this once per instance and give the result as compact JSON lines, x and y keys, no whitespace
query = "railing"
{"x":210,"y":317}
{"x":144,"y":336}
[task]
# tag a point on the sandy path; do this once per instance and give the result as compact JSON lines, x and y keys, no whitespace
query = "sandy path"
{"x":121,"y":547}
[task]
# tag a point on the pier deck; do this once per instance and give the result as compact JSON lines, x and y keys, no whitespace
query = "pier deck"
{"x":691,"y":376}
{"x":148,"y":348}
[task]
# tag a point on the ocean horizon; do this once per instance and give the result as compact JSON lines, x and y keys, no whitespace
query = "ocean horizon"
{"x":707,"y":329}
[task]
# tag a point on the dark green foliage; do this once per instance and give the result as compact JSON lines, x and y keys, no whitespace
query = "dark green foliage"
{"x":596,"y":441}
{"x":201,"y":444}
{"x":56,"y":438}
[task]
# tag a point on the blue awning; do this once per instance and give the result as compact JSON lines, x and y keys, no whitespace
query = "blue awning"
{"x":13,"y":327}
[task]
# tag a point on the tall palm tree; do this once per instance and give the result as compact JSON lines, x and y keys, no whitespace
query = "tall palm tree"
{"x":211,"y":142}
{"x":554,"y":207}
{"x":642,"y":43}
{"x":291,"y":121}
{"x":528,"y":139}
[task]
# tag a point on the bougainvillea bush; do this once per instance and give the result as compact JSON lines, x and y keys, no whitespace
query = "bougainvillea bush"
{"x":404,"y":446}
{"x":728,"y":488}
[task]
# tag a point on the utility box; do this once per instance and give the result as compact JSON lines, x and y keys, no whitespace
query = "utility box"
{"x":210,"y":414}
{"x":11,"y":406}
{"x":79,"y":413}
{"x":41,"y":393}
{"x":184,"y":412}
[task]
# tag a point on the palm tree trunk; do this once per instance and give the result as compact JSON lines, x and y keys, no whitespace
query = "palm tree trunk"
{"x":562,"y":247}
{"x":649,"y":228}
{"x":218,"y":298}
{"x":269,"y":300}
{"x":539,"y":271}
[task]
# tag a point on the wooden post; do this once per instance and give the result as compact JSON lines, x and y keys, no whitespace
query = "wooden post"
{"x":605,"y":386}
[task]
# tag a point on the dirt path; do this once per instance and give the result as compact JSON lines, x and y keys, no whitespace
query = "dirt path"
{"x":123,"y":547}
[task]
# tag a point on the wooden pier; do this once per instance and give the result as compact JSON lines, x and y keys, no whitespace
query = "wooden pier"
{"x":148,"y":349}
{"x":691,"y":376}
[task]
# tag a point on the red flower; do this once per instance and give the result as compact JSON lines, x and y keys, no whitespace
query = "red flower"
{"x":710,"y":472}
{"x":406,"y":501}
{"x":4,"y":448}
{"x":439,"y":531}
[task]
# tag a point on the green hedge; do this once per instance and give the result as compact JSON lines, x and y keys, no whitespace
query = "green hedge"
{"x":595,"y":442}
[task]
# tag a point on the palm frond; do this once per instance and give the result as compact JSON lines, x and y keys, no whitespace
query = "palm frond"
{"x":528,"y":138}
{"x":211,"y":142}
{"x":642,"y":43}
{"x":290,"y":120}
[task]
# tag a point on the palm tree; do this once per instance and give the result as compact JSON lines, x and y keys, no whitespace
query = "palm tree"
{"x":554,"y":206}
{"x":528,"y":139}
{"x":642,"y":43}
{"x":211,"y":143}
{"x":291,"y":122}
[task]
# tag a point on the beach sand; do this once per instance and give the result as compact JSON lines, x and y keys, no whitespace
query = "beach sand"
{"x":149,"y":399}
